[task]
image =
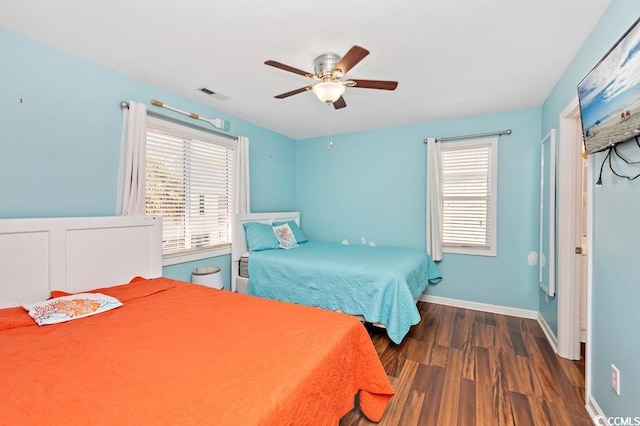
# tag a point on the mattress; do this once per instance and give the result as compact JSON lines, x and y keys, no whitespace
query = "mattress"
{"x":244,"y":266}
{"x":178,"y":353}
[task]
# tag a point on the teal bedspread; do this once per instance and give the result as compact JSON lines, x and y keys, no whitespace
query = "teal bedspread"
{"x":379,"y":283}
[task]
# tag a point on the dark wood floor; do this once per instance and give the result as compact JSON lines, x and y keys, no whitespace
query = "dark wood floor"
{"x":464,"y":367}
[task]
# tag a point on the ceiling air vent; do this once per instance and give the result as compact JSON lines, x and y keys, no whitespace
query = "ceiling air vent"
{"x":213,"y":94}
{"x":206,"y":91}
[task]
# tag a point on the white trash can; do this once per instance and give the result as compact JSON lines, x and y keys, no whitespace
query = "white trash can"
{"x":209,"y":276}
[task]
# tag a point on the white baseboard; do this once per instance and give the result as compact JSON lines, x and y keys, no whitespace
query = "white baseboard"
{"x":484,"y":307}
{"x":551,"y":337}
{"x":595,"y":412}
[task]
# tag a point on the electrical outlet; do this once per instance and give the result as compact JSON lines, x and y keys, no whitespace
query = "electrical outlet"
{"x":615,"y":379}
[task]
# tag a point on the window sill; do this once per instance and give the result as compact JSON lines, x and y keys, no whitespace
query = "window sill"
{"x":174,"y":259}
{"x":473,"y":251}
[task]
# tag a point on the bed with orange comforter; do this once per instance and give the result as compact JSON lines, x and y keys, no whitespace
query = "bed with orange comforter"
{"x":182,"y":354}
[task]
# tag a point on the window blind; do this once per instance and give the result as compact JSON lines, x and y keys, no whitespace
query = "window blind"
{"x":189,"y":183}
{"x":466,"y":195}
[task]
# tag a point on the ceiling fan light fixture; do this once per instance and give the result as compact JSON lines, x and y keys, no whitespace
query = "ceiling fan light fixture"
{"x":328,"y":91}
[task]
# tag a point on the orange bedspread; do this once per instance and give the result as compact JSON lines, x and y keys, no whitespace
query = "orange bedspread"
{"x":181,"y":354}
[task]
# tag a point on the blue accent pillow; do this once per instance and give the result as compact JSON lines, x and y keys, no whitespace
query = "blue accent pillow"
{"x":297,"y":232}
{"x":260,"y":236}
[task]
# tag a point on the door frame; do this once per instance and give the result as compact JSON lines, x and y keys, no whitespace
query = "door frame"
{"x":569,"y":233}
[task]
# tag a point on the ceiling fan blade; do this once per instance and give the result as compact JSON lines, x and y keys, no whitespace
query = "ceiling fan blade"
{"x":374,"y":84}
{"x":340,"y":103}
{"x":351,"y":59}
{"x":288,"y":68}
{"x":293,"y":92}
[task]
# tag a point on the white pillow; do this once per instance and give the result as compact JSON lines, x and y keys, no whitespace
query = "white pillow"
{"x":67,"y":308}
{"x":285,"y":236}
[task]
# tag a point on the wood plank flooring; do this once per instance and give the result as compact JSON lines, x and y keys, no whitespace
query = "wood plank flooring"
{"x":464,"y":367}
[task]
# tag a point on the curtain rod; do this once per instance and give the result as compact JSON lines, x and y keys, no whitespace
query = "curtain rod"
{"x":125,"y":104}
{"x":476,"y":135}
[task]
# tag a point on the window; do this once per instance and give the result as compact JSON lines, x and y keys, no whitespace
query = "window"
{"x":469,"y":176}
{"x":189,"y":182}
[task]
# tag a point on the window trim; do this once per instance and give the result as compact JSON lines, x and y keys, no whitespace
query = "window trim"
{"x":168,"y":126}
{"x":491,"y":249}
{"x":197,"y":253}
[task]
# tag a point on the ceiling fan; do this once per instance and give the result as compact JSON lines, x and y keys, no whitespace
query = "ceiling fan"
{"x":329,"y":69}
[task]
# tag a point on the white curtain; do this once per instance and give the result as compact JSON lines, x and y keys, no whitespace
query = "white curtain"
{"x":242,"y":193}
{"x":131,"y":181}
{"x":434,"y":205}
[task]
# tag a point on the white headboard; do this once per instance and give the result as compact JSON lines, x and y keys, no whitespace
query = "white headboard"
{"x":239,"y":246}
{"x":75,"y":254}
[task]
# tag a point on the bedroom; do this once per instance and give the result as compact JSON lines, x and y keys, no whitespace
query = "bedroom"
{"x":47,"y":169}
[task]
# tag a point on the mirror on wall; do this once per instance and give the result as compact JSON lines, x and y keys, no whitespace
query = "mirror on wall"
{"x":547,"y":213}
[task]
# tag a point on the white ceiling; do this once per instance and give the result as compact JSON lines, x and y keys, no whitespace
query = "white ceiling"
{"x":453,"y":58}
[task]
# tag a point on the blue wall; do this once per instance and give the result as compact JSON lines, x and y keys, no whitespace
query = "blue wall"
{"x":372,"y":184}
{"x":616,"y":237}
{"x":60,"y":147}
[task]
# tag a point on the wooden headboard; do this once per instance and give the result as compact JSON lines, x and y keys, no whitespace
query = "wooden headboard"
{"x":75,"y":254}
{"x":239,"y":246}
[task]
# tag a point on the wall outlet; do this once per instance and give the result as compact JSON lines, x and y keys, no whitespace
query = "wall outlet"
{"x":615,"y":379}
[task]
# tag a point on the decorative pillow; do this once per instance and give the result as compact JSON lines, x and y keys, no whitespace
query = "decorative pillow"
{"x":297,"y":232}
{"x":72,"y":307}
{"x":260,"y":236}
{"x":285,"y":237}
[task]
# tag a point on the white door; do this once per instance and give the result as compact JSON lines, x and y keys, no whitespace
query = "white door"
{"x":572,"y":265}
{"x":583,"y":250}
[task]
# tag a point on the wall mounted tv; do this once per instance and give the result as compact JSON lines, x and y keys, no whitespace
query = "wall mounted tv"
{"x":610,"y":95}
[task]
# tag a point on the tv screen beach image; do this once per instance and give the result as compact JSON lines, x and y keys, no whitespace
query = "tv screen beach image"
{"x":610,"y":95}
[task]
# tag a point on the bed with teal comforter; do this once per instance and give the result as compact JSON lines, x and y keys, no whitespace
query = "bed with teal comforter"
{"x":379,"y":283}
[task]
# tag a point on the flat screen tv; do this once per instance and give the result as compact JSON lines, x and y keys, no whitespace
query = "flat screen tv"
{"x":610,"y":95}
